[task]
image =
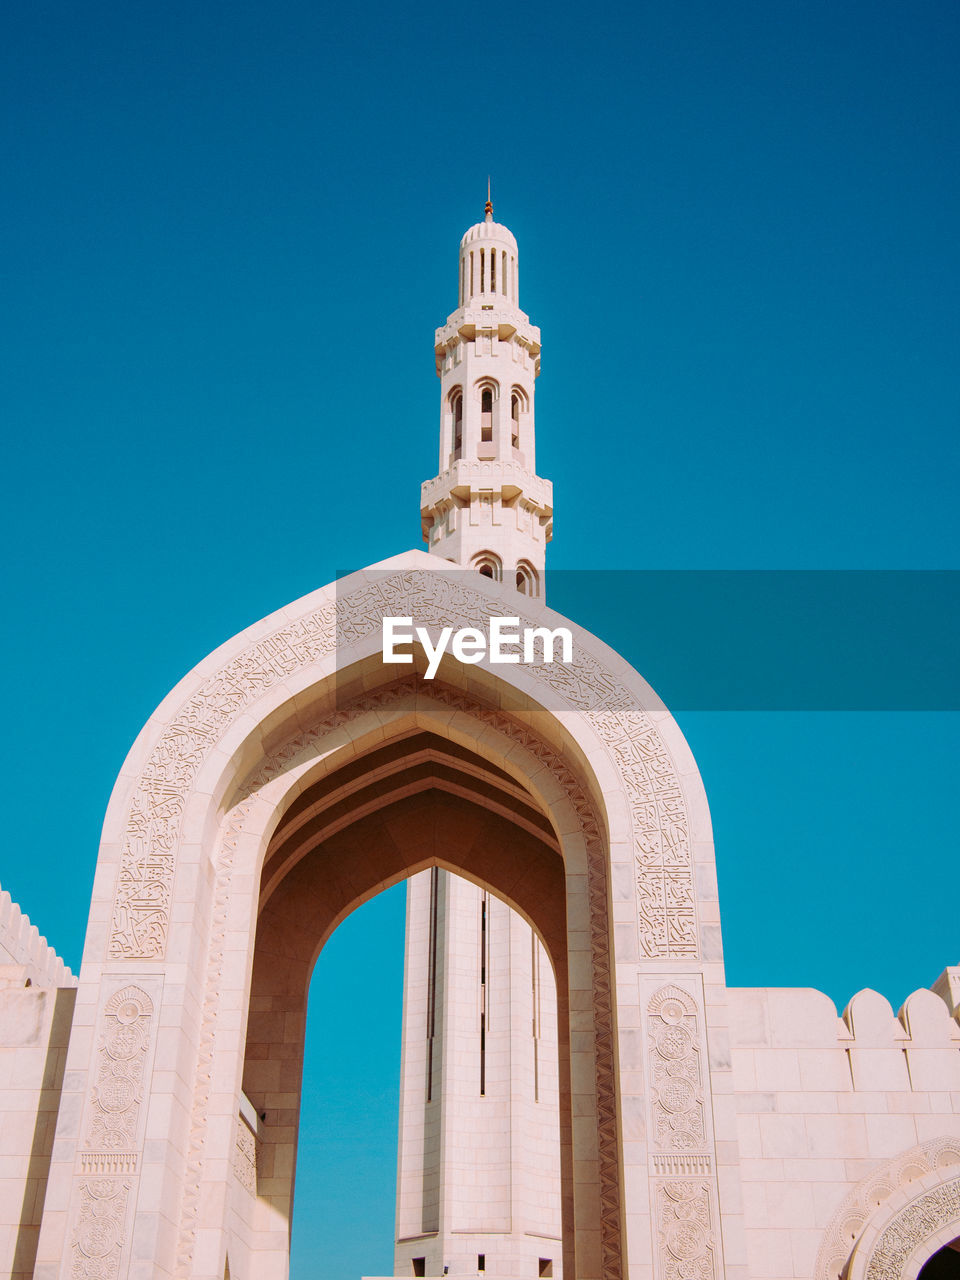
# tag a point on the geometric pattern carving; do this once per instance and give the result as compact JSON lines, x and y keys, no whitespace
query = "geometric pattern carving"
{"x":685,"y":1231}
{"x":114,"y":1112}
{"x":862,"y":1202}
{"x":98,"y":1238}
{"x":608,"y":1126}
{"x":676,"y":1073}
{"x":118,"y":1091}
{"x":918,"y":1221}
{"x":245,"y":1160}
{"x":667,"y":911}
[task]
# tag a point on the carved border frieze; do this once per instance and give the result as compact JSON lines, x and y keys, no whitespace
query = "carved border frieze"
{"x":859,"y":1206}
{"x":919,"y":1221}
{"x":667,"y":917}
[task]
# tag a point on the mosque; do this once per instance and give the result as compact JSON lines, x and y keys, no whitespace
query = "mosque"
{"x":581,"y":1093}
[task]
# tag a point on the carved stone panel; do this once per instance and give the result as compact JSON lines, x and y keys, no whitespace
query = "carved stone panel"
{"x":685,"y":1230}
{"x":676,"y":1073}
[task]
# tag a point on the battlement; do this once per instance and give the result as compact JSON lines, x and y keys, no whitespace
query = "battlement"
{"x":21,"y":943}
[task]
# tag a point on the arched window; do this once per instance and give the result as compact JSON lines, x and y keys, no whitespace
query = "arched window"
{"x":456,"y":409}
{"x":527,"y":581}
{"x":486,"y":415}
{"x":515,"y":420}
{"x":488,"y":565}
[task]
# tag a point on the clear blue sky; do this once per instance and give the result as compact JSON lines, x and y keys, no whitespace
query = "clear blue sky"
{"x":228,"y":234}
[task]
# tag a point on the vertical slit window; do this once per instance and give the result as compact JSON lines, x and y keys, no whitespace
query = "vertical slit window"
{"x":432,"y":979}
{"x":535,"y":1012}
{"x":486,"y":415}
{"x":503,"y":273}
{"x":483,"y":270}
{"x":493,"y":271}
{"x":515,"y":421}
{"x":483,"y":994}
{"x":471,"y":273}
{"x":457,"y":425}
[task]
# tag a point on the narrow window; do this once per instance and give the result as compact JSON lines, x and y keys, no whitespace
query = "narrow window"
{"x":431,"y":997}
{"x":486,"y":415}
{"x":471,"y":273}
{"x":493,"y":271}
{"x":419,"y":1267}
{"x":481,"y":1262}
{"x":486,"y":571}
{"x":483,"y":270}
{"x":515,"y":421}
{"x":457,"y":425}
{"x":483,"y":989}
{"x":503,"y":274}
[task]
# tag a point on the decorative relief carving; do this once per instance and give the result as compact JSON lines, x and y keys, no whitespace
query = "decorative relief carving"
{"x":98,"y":1239}
{"x":682,"y":1166}
{"x":109,"y":1162}
{"x":667,"y":909}
{"x":118,"y":1092}
{"x":862,"y":1202}
{"x":676,"y":1072}
{"x":919,"y":1221}
{"x":685,"y":1231}
{"x":245,"y":1157}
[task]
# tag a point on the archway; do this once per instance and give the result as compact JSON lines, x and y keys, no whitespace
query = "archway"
{"x":152,"y":1150}
{"x":412,"y":802}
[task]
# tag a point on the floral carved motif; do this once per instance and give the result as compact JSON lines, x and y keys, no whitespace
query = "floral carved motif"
{"x":919,"y":1221}
{"x":118,"y":1092}
{"x":685,"y":1231}
{"x":667,"y":921}
{"x":676,"y":1071}
{"x":98,"y":1238}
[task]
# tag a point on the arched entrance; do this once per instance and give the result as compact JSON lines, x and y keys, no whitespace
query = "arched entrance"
{"x":417,"y":800}
{"x":287,"y":778}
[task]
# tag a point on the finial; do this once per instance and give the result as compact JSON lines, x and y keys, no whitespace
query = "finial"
{"x":488,"y":207}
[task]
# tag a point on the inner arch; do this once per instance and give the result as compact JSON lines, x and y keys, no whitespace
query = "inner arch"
{"x":415,"y":802}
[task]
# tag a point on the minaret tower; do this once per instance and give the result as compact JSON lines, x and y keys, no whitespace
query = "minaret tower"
{"x":478,"y":1179}
{"x":487,"y":509}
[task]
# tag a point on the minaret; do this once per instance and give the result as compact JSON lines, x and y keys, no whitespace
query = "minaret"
{"x":487,"y":509}
{"x":478,"y":1179}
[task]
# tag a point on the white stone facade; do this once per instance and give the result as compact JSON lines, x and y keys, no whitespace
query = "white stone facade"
{"x":704,"y":1133}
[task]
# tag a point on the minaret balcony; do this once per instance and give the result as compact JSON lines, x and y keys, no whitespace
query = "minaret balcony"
{"x":505,"y":321}
{"x":468,"y":476}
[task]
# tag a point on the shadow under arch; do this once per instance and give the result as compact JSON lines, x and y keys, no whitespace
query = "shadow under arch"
{"x":361,"y":820}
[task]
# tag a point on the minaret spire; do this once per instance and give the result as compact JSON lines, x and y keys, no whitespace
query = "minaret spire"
{"x":487,"y":509}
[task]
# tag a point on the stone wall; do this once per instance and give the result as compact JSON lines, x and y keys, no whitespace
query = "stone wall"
{"x":37,"y":994}
{"x":836,"y":1115}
